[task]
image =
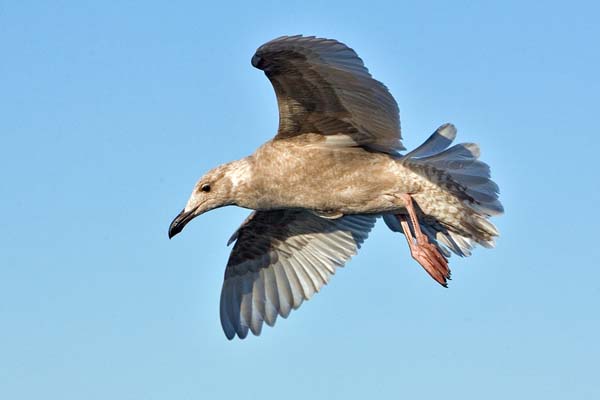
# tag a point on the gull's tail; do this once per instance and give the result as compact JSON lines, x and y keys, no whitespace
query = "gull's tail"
{"x":458,"y":171}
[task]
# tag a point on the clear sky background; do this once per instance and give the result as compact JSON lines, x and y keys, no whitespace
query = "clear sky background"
{"x":110,"y":111}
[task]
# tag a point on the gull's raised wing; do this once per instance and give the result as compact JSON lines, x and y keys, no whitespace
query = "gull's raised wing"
{"x":280,"y":259}
{"x":322,"y":86}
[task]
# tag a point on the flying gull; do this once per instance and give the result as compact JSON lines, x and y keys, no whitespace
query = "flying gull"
{"x":318,"y":187}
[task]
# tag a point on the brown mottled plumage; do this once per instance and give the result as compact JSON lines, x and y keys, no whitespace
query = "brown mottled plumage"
{"x":332,"y":169}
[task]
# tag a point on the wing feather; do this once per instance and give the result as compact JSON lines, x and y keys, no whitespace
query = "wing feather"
{"x":281,"y":258}
{"x":323,"y":87}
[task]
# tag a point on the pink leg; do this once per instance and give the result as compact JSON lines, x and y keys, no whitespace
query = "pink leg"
{"x":425,"y":253}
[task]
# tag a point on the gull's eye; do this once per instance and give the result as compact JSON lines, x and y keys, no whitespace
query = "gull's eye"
{"x":205,"y":188}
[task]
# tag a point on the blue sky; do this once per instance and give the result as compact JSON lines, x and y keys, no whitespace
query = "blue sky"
{"x":110,"y":111}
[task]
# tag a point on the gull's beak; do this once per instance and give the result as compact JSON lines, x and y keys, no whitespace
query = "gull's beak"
{"x":180,"y":222}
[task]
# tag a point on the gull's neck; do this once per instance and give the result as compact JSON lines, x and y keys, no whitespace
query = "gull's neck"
{"x":239,"y":173}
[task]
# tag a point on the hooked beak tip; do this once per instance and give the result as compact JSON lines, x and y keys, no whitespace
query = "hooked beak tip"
{"x":179,"y":222}
{"x":173,"y":232}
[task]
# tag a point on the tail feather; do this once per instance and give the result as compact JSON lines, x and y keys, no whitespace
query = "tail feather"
{"x":437,"y":142}
{"x":459,"y":171}
{"x":458,"y":156}
{"x":460,"y":167}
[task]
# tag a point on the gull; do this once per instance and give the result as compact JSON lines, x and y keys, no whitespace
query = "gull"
{"x":334,"y":167}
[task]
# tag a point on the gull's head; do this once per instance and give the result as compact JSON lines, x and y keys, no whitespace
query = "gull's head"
{"x":215,"y":189}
